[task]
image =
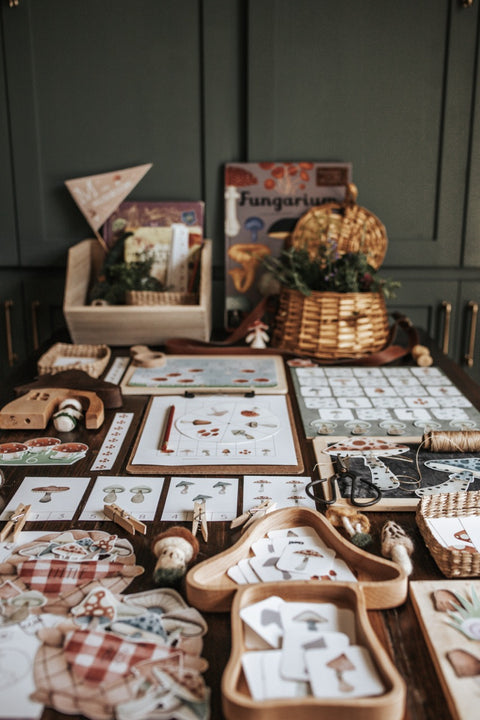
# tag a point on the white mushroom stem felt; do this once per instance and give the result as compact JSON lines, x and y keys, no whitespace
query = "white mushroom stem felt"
{"x":397,"y":545}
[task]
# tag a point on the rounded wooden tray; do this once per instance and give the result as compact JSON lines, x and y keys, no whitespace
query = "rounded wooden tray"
{"x":237,"y":702}
{"x":383,"y":582}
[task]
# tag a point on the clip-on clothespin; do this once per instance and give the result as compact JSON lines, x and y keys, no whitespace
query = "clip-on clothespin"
{"x":253,"y":514}
{"x":124,"y":519}
{"x":16,"y":521}
{"x":200,"y":518}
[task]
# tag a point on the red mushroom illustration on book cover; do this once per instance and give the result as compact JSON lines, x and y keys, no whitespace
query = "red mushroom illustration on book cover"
{"x":263,"y":202}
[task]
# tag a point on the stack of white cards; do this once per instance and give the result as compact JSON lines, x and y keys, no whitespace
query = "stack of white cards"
{"x":296,"y":553}
{"x":309,"y":649}
{"x":456,"y":533}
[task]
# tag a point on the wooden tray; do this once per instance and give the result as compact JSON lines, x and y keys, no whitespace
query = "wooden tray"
{"x":210,"y":589}
{"x":237,"y":702}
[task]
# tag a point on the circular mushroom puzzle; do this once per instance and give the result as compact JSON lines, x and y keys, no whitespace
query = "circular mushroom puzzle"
{"x":228,"y":423}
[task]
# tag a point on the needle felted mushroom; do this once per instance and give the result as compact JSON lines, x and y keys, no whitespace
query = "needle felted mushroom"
{"x":175,"y":549}
{"x":355,"y":523}
{"x":48,"y":490}
{"x":397,"y":545}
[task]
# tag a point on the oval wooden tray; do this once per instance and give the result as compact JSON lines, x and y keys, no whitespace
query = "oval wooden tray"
{"x":383,"y":582}
{"x":237,"y":702}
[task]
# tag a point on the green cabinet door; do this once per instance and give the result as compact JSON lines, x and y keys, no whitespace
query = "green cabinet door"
{"x":95,"y":87}
{"x":13,"y":341}
{"x":385,"y":85}
{"x":431,"y":305}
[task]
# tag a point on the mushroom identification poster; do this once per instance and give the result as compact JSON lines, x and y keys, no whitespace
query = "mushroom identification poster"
{"x":263,"y":202}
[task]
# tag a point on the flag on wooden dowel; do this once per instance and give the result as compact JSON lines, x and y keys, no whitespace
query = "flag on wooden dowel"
{"x":98,"y":196}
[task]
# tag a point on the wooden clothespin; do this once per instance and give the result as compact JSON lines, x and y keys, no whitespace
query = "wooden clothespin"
{"x":124,"y":519}
{"x":200,"y":518}
{"x":16,"y":522}
{"x":253,"y":514}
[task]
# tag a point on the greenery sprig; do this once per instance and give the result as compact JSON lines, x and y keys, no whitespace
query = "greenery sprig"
{"x":118,"y":277}
{"x":327,"y":271}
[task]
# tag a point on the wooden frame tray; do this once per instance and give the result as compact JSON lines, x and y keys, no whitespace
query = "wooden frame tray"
{"x":236,"y":700}
{"x":383,"y":582}
{"x":145,"y":458}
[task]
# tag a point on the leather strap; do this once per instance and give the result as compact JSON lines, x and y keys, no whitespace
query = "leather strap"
{"x":390,"y":353}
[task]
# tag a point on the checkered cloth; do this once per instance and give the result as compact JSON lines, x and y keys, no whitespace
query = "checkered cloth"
{"x":55,"y":576}
{"x":101,"y":657}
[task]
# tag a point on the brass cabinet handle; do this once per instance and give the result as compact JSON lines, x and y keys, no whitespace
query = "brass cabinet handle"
{"x":35,"y":338}
{"x":12,"y":356}
{"x":473,"y":306}
{"x":447,"y":306}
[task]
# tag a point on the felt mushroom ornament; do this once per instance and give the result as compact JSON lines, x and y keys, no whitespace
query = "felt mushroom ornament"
{"x":355,"y":523}
{"x":68,"y":415}
{"x":397,"y":545}
{"x":175,"y":549}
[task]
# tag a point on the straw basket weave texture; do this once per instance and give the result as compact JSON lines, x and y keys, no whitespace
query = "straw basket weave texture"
{"x":149,"y":297}
{"x":452,"y":562}
{"x":330,"y":325}
{"x":349,"y":226}
{"x":92,"y":359}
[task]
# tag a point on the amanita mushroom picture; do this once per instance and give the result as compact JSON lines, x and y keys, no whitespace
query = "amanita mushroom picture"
{"x":48,"y":490}
{"x":307,"y":554}
{"x":235,"y":177}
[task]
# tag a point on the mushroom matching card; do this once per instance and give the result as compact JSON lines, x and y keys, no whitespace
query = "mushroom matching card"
{"x":49,"y":498}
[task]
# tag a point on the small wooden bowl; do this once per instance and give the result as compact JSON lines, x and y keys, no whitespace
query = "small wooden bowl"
{"x":383,"y":582}
{"x":237,"y":702}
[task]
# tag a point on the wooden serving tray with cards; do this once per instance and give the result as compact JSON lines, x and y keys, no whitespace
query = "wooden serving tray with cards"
{"x":304,"y":650}
{"x":210,"y":587}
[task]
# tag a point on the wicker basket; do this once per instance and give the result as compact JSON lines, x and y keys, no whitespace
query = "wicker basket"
{"x":331,"y":326}
{"x":453,"y":563}
{"x":92,"y":359}
{"x":353,"y":229}
{"x":149,"y":297}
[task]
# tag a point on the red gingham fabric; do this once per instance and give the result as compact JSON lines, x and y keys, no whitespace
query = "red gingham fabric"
{"x":101,"y":657}
{"x":56,"y":576}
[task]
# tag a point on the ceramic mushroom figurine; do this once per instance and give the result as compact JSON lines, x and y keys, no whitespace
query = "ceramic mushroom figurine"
{"x":175,"y":549}
{"x":48,"y":490}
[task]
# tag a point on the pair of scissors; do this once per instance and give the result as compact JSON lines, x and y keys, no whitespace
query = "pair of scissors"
{"x":341,"y":472}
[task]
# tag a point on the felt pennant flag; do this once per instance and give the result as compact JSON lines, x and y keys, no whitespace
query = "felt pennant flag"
{"x":98,"y":196}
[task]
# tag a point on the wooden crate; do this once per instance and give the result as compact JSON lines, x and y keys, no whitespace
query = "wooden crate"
{"x":130,"y":324}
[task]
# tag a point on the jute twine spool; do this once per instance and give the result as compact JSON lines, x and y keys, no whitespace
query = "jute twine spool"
{"x":452,"y":441}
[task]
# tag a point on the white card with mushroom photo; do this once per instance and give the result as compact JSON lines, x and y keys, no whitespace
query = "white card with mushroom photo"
{"x":49,"y":498}
{"x":347,"y":673}
{"x":284,"y":491}
{"x":219,"y":494}
{"x":139,"y":496}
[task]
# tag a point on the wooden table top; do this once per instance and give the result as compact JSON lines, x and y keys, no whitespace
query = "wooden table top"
{"x":397,"y":629}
